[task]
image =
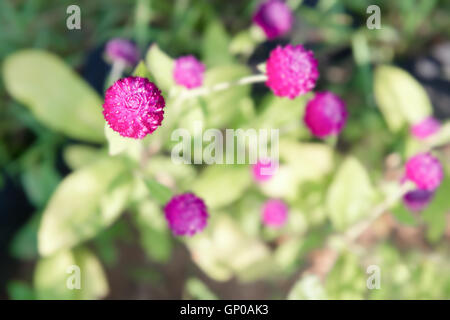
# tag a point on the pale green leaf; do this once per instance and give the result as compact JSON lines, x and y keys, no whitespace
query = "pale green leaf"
{"x":350,"y":195}
{"x":56,"y":95}
{"x":220,"y":185}
{"x":154,"y":234}
{"x":400,"y":97}
{"x":86,"y":202}
{"x":215,"y":45}
{"x":54,"y":277}
{"x":309,"y":287}
{"x":161,"y":67}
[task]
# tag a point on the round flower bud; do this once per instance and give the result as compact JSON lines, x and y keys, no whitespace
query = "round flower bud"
{"x":417,"y":200}
{"x":274,"y":213}
{"x":425,"y":128}
{"x":134,"y":107}
{"x":186,"y":214}
{"x":425,"y":171}
{"x":274,"y":17}
{"x":188,"y":72}
{"x":325,"y":114}
{"x":262,"y":170}
{"x":122,"y":50}
{"x":291,"y":71}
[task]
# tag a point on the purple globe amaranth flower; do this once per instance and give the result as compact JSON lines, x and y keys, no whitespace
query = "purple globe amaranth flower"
{"x":425,"y":128}
{"x":417,"y":200}
{"x":274,"y":17}
{"x":325,"y":114}
{"x":274,"y":213}
{"x":122,"y":50}
{"x":188,"y":72}
{"x":262,"y":170}
{"x":425,"y":171}
{"x":291,"y":71}
{"x":134,"y":107}
{"x":186,"y":214}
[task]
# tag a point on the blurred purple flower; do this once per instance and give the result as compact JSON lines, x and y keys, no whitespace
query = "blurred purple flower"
{"x":186,"y":214}
{"x":122,"y":50}
{"x":274,"y":17}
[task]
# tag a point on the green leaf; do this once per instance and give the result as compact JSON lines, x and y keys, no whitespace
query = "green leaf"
{"x":350,"y":195}
{"x":215,"y":46}
{"x":161,"y":67}
{"x":24,"y":243}
{"x":346,"y":280}
{"x":400,"y":97}
{"x":223,"y":250}
{"x":18,"y":290}
{"x":118,"y":144}
{"x":142,"y":71}
{"x":56,"y":95}
{"x":196,"y":289}
{"x":53,"y":274}
{"x":87,"y":201}
{"x":39,"y":181}
{"x":309,"y":287}
{"x":434,"y":214}
{"x":159,"y":192}
{"x":220,"y":185}
{"x":79,"y":155}
{"x":154,"y":235}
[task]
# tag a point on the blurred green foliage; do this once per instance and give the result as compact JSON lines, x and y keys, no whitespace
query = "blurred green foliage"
{"x":117,"y":186}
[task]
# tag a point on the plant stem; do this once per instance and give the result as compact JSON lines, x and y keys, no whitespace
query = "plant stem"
{"x":354,"y":232}
{"x":224,"y":86}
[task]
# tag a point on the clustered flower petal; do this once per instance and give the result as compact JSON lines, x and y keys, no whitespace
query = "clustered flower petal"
{"x":274,"y":213}
{"x":417,"y":200}
{"x":133,"y":107}
{"x":188,"y":72}
{"x":291,"y":71}
{"x":186,"y":214}
{"x":122,"y":50}
{"x":274,"y":17}
{"x":425,"y":171}
{"x":425,"y":128}
{"x":325,"y":114}
{"x":262,"y":170}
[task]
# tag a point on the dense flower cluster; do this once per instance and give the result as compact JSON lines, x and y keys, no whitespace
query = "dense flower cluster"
{"x":325,"y":114}
{"x":425,"y":171}
{"x":188,"y":72}
{"x":274,"y":213}
{"x":291,"y":71}
{"x":186,"y":214}
{"x":134,"y":107}
{"x":274,"y":17}
{"x":425,"y":128}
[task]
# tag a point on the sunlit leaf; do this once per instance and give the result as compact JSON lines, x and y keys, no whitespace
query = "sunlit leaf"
{"x":56,"y":95}
{"x":85,"y":202}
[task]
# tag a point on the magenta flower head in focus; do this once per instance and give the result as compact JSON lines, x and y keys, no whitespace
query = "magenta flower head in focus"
{"x":417,"y":200}
{"x":263,"y":170}
{"x":425,"y":171}
{"x":188,"y":72}
{"x":425,"y":128}
{"x":291,"y":71}
{"x":274,"y":17}
{"x":134,"y":107}
{"x":325,"y":114}
{"x":122,"y":50}
{"x":186,"y":214}
{"x":274,"y":213}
